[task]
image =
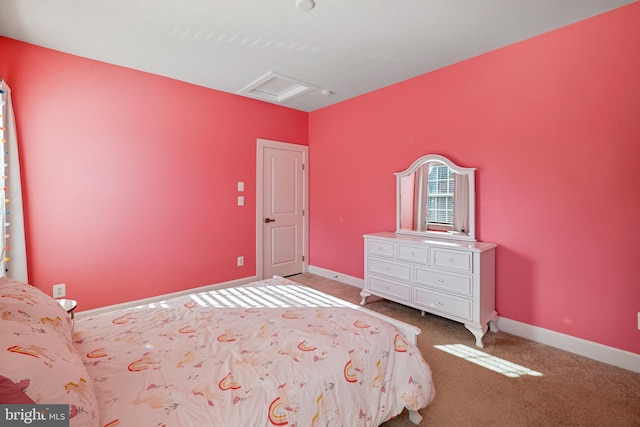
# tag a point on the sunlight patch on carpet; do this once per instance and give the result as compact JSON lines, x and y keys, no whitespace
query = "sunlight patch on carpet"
{"x":488,"y":361}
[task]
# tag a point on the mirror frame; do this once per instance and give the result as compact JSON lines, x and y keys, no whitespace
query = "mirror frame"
{"x":470,"y":172}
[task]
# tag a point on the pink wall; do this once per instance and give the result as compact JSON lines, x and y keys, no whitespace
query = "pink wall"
{"x":553,"y":126}
{"x":130,"y":178}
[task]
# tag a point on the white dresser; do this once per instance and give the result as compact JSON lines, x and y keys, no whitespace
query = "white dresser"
{"x":450,"y":278}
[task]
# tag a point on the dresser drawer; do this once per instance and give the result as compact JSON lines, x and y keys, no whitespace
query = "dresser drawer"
{"x":458,"y":307}
{"x":380,"y":247}
{"x":388,"y":268}
{"x":456,"y":283}
{"x":394,"y":290}
{"x":454,"y":260}
{"x":413,"y":253}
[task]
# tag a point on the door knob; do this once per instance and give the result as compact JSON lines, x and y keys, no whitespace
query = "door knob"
{"x":269,"y":220}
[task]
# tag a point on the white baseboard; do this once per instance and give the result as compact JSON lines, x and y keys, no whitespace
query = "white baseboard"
{"x":334,"y":275}
{"x":611,"y":355}
{"x":158,"y":298}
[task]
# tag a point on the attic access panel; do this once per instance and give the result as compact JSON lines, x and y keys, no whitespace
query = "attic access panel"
{"x":274,"y":87}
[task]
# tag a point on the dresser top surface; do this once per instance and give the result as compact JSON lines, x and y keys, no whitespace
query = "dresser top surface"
{"x":443,"y":243}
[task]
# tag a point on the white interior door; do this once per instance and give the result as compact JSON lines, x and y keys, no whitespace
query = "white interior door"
{"x":281,"y":208}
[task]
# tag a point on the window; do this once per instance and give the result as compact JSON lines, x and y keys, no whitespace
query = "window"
{"x":440,"y":195}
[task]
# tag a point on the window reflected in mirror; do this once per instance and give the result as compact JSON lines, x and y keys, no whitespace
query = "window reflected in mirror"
{"x":439,"y":200}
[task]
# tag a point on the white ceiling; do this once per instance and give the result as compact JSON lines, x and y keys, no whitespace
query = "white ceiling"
{"x":348,"y":47}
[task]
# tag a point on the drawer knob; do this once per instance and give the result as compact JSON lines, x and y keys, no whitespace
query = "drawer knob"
{"x":441,"y":280}
{"x":440,"y":303}
{"x":388,"y":288}
{"x":413,"y":253}
{"x":380,"y":248}
{"x":451,"y":260}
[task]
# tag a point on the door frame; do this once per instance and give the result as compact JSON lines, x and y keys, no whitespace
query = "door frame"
{"x":261,"y":145}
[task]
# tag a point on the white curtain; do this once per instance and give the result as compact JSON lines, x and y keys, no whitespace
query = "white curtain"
{"x":460,"y":203}
{"x":420,"y":194}
{"x":14,"y":253}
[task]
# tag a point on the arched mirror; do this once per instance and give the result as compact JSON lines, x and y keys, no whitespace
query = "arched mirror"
{"x":436,"y":198}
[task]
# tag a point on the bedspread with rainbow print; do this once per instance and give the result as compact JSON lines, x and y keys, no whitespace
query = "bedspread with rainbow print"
{"x":275,"y":353}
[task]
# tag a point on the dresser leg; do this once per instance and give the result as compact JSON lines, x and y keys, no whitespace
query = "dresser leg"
{"x":493,"y":324}
{"x":364,"y":296}
{"x":477,"y":332}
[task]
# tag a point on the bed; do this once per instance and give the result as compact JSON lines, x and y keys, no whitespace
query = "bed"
{"x":271,"y":353}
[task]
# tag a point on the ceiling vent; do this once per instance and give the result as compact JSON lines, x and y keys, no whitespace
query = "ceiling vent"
{"x":274,"y":87}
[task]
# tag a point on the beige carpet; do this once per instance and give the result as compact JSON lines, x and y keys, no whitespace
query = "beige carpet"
{"x":572,"y":390}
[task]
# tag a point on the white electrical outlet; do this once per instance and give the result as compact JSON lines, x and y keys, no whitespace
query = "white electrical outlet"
{"x":240,"y":261}
{"x":59,"y":290}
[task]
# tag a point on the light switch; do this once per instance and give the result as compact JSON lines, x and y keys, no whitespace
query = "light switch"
{"x":240,"y":200}
{"x":240,"y":186}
